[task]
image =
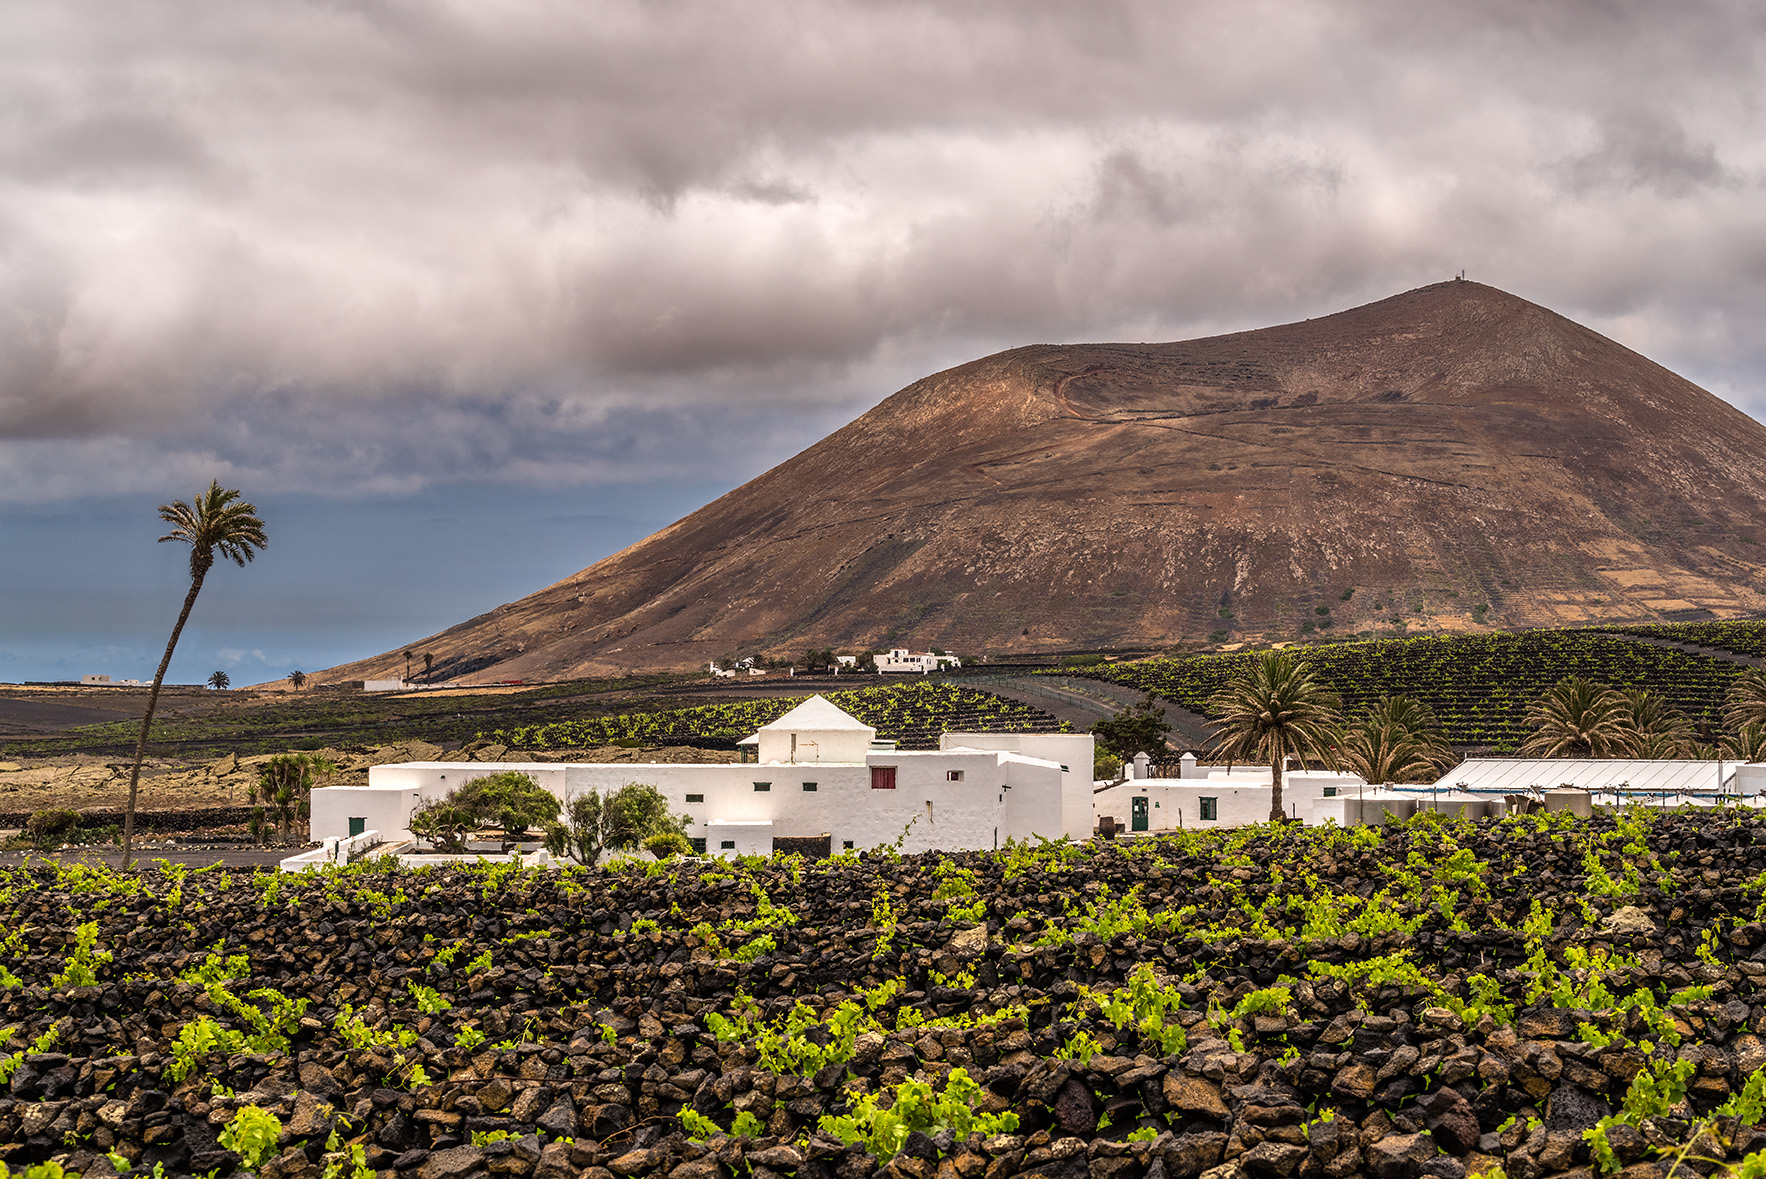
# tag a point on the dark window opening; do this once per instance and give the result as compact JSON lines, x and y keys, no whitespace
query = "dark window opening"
{"x":698,"y":845}
{"x":695,"y":798}
{"x":762,"y":787}
{"x":809,"y":787}
{"x":882,"y":777}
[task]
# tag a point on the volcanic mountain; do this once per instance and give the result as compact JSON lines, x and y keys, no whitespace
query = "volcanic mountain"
{"x":1451,"y":458}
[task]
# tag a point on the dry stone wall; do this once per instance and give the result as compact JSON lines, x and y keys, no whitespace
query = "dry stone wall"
{"x":1434,"y":1000}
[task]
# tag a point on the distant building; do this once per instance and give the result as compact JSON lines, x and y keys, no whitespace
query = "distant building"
{"x":104,"y":681}
{"x":900,"y":659}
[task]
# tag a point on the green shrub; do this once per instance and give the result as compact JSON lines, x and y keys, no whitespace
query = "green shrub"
{"x":49,"y":829}
{"x":668,"y":843}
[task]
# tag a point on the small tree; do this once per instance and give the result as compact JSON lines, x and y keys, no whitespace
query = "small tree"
{"x":443,"y":824}
{"x":1139,"y":729}
{"x":297,"y":679}
{"x":219,"y":680}
{"x":428,"y":667}
{"x":286,"y":784}
{"x":621,"y":822}
{"x":512,"y":800}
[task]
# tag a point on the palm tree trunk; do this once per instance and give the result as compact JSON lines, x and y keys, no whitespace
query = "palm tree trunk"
{"x":1275,"y":785}
{"x":147,"y":720}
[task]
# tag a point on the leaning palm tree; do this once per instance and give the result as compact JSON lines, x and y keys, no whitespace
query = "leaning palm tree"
{"x":1577,"y":717}
{"x":1274,"y":710}
{"x":1398,"y":739}
{"x":1657,"y":728}
{"x":217,"y":522}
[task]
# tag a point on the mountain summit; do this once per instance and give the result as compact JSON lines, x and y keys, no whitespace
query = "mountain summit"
{"x":1450,"y":458}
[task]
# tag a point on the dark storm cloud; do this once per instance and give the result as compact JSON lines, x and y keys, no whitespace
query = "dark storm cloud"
{"x":360,"y":245}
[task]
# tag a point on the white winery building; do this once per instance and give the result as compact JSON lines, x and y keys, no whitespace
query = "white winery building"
{"x":819,"y":772}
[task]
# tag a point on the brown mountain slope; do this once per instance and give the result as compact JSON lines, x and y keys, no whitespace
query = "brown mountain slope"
{"x":1447,"y":447}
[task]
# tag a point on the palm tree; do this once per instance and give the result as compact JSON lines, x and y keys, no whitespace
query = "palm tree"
{"x":219,"y":680}
{"x":217,"y":523}
{"x":1657,"y":728}
{"x":1398,"y":739}
{"x":1746,"y":700}
{"x":1275,"y":709}
{"x":1747,"y":744}
{"x":407,"y":665}
{"x":428,"y":667}
{"x":298,"y":679}
{"x":1578,"y":718}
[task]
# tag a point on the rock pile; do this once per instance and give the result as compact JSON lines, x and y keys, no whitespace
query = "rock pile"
{"x":1419,"y":1001}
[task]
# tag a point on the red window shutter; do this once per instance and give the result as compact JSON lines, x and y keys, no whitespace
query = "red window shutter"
{"x":882,"y":777}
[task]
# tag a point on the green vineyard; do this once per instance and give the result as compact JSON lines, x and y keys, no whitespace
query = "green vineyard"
{"x":912,"y":714}
{"x":1480,"y":686}
{"x":1739,"y":638}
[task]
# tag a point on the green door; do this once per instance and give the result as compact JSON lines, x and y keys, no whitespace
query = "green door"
{"x":1138,"y":818}
{"x":357,"y":826}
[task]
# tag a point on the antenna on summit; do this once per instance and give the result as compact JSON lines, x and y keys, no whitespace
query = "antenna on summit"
{"x":1461,"y":277}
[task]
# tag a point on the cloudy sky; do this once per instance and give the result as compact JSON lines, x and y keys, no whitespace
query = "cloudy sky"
{"x":467,"y":296}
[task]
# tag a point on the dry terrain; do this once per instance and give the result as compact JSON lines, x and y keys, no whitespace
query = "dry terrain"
{"x":1453,"y":458}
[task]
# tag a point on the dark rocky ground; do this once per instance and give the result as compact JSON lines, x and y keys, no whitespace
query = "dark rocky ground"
{"x":1430,"y":1000}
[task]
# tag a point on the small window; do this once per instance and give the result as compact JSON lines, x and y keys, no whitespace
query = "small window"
{"x":809,"y":787}
{"x":698,"y":845}
{"x":1210,"y":809}
{"x":846,"y":844}
{"x":1064,"y":769}
{"x":762,"y":787}
{"x":1330,"y":792}
{"x":695,"y":798}
{"x":882,"y":777}
{"x":728,"y":845}
{"x":953,"y":776}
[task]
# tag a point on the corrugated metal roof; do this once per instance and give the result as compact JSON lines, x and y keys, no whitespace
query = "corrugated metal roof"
{"x":1519,"y":775}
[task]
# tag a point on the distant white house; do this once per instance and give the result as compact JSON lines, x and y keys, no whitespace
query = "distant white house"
{"x":819,"y":773}
{"x":104,"y":681}
{"x":900,"y":659}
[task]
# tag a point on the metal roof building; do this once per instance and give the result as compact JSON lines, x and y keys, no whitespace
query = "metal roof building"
{"x":1624,"y":777}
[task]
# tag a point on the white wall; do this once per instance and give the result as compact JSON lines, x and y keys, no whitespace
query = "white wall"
{"x":1075,"y":753}
{"x":1241,"y":798}
{"x":815,"y":746}
{"x":999,"y":796}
